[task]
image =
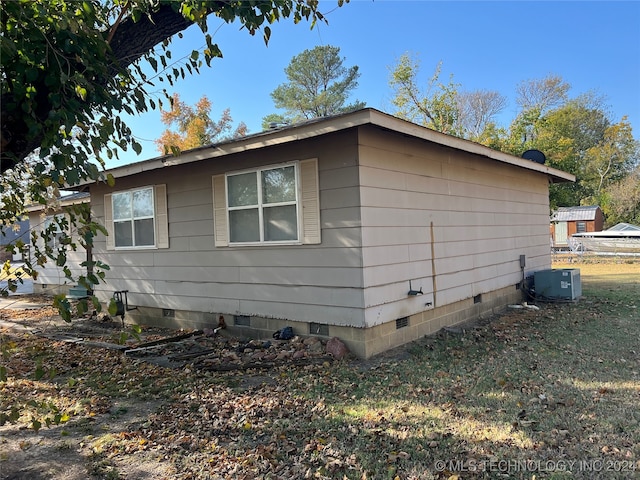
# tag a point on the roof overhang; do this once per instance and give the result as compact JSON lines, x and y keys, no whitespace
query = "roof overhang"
{"x":61,"y":202}
{"x":323,"y":126}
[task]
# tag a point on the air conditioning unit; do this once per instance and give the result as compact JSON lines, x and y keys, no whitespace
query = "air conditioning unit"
{"x":558,"y":284}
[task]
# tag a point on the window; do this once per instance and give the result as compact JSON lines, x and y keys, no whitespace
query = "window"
{"x":263,"y":205}
{"x":137,"y":218}
{"x":52,"y":225}
{"x":581,"y":227}
{"x":269,"y":205}
{"x":133,"y":218}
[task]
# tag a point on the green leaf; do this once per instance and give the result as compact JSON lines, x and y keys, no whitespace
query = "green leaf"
{"x":36,"y":424}
{"x":81,"y":92}
{"x":64,"y":307}
{"x":82,"y":307}
{"x":3,"y":373}
{"x":39,"y":373}
{"x":113,"y":308}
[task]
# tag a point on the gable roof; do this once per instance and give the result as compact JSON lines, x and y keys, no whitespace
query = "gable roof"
{"x":572,"y":214}
{"x":326,"y":125}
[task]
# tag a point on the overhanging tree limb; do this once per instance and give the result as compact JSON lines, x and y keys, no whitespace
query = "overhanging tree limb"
{"x":27,"y":125}
{"x":132,"y":40}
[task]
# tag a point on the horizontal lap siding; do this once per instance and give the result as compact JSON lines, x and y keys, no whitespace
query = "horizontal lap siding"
{"x":49,"y":274}
{"x":484,"y":214}
{"x":316,"y":283}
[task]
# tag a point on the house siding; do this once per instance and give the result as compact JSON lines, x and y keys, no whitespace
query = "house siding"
{"x":401,"y":208}
{"x":51,"y":279}
{"x":313,"y":283}
{"x":483,"y":216}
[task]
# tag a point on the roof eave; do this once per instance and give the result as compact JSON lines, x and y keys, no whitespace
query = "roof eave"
{"x":329,"y":125}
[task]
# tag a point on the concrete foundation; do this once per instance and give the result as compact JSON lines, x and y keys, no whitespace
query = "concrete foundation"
{"x":363,"y":342}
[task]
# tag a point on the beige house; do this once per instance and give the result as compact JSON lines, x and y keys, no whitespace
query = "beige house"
{"x":360,"y":226}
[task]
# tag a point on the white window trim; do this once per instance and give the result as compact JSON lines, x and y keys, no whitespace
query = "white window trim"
{"x":58,"y":230}
{"x":260,"y":206}
{"x":307,"y":198}
{"x":133,"y":219}
{"x":161,"y":226}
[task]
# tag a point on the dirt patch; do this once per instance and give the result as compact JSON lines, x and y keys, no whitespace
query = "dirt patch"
{"x":103,"y":385}
{"x":69,"y":451}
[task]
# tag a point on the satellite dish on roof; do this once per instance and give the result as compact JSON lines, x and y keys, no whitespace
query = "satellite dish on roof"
{"x":535,"y":156}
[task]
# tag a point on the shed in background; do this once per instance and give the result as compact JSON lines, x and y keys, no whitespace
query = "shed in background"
{"x":566,"y":221}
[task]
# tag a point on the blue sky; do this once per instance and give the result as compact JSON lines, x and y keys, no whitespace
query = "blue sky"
{"x":594,"y":46}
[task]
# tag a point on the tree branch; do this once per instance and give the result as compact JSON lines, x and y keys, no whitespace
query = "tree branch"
{"x":130,"y":41}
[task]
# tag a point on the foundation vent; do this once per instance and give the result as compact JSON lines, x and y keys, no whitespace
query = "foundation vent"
{"x":242,"y":320}
{"x":402,"y":322}
{"x":477,"y":299}
{"x":319,"y":329}
{"x":168,"y":313}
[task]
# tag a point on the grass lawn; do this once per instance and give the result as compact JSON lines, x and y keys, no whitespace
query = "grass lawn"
{"x":545,"y":394}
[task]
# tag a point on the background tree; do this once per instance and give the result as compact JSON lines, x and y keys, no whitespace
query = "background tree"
{"x":541,"y":94}
{"x":195,"y":127}
{"x":621,"y":201}
{"x":70,"y":69}
{"x":441,"y":106}
{"x":610,"y":160}
{"x":318,"y":86}
{"x":478,"y":110}
{"x":576,"y":136}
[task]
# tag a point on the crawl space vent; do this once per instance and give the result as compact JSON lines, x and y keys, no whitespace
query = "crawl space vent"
{"x":319,"y":329}
{"x":402,"y":322}
{"x":242,"y":320}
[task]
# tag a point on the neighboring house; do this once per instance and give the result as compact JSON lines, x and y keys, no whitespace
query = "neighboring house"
{"x":360,"y":226}
{"x":10,"y":234}
{"x":566,"y":221}
{"x":51,"y":279}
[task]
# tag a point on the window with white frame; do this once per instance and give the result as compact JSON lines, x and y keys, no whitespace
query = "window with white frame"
{"x":55,"y":232}
{"x":134,"y":218}
{"x":263,"y":205}
{"x":271,"y":205}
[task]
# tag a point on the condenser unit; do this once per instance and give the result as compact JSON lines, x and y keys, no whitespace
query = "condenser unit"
{"x":558,"y":284}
